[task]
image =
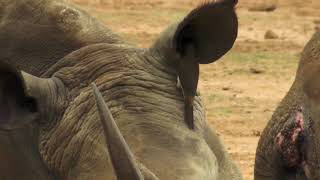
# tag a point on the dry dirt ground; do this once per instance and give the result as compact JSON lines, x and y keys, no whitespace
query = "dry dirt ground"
{"x":242,"y":89}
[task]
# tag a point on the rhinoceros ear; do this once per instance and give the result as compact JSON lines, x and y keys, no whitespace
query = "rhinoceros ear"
{"x":16,"y":108}
{"x":211,"y":29}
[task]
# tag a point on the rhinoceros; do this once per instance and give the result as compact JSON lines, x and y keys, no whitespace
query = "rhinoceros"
{"x":289,"y":146}
{"x":79,"y":102}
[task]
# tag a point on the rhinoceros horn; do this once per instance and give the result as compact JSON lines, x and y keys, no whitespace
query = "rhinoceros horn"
{"x":123,"y":160}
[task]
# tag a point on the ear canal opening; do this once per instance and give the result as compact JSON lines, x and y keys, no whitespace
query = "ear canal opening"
{"x":30,"y":104}
{"x":184,"y":40}
{"x":14,"y":87}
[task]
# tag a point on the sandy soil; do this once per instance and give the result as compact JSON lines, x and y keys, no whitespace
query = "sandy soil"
{"x":242,"y":89}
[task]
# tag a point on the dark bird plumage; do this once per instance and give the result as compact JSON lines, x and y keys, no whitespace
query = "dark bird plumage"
{"x":203,"y":37}
{"x":188,"y":73}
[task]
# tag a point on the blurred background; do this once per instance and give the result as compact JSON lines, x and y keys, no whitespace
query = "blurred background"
{"x":242,"y":89}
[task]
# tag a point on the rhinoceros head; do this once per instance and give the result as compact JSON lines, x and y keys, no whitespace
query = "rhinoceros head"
{"x":60,"y":117}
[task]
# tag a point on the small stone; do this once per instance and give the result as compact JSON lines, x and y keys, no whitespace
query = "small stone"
{"x":271,"y":35}
{"x":264,"y":7}
{"x":316,"y":21}
{"x":226,"y":88}
{"x":256,"y":71}
{"x":256,"y":133}
{"x":267,"y":110}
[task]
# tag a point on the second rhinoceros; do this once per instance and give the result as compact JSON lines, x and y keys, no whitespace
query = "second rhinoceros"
{"x":289,"y":145}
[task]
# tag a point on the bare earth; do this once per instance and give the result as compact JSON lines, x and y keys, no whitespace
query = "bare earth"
{"x":242,"y":89}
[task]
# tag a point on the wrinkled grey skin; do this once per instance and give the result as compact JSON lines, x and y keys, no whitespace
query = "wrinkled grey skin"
{"x":281,"y":156}
{"x":69,"y":50}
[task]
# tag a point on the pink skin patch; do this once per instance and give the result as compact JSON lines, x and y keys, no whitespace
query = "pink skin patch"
{"x":289,"y":141}
{"x":280,"y":139}
{"x":299,"y":126}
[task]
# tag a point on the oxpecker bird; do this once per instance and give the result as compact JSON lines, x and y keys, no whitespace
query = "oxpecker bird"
{"x":203,"y":40}
{"x":188,"y":74}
